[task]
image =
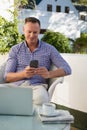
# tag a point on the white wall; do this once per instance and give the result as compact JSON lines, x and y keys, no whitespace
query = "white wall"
{"x":73,"y":92}
{"x":3,"y":58}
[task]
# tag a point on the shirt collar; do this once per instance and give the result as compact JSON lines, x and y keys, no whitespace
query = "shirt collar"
{"x":39,"y":44}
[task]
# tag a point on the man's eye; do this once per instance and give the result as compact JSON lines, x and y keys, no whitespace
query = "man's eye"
{"x":32,"y":32}
{"x":35,"y":32}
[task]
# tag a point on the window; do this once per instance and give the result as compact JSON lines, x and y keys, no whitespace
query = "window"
{"x":58,"y":8}
{"x":42,"y":31}
{"x":82,"y":17}
{"x":74,"y":0}
{"x":49,"y":7}
{"x":67,"y":9}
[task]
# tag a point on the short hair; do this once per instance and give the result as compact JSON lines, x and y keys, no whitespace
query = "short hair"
{"x":32,"y":19}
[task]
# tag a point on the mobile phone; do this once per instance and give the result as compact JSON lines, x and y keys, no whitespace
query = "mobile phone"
{"x":34,"y":63}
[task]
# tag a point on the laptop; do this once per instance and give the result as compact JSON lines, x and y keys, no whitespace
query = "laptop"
{"x":16,"y":101}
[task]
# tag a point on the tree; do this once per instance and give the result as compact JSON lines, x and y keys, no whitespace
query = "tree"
{"x":83,"y":2}
{"x":9,"y":34}
{"x":80,"y":45}
{"x":58,"y":40}
{"x":80,"y":1}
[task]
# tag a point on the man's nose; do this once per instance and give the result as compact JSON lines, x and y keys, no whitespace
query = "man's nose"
{"x":32,"y":34}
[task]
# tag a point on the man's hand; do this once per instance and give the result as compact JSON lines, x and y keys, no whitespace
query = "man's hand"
{"x":42,"y":72}
{"x":30,"y":72}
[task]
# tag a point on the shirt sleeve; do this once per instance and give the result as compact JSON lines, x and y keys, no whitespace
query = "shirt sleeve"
{"x":59,"y":61}
{"x":11,"y":62}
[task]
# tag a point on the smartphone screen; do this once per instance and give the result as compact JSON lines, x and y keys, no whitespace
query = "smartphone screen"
{"x":34,"y":63}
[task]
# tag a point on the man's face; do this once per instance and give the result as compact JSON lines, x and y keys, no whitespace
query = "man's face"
{"x":31,"y":32}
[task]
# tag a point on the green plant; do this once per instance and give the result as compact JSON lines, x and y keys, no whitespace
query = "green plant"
{"x":58,"y":40}
{"x":9,"y":34}
{"x":80,"y":45}
{"x":82,"y":2}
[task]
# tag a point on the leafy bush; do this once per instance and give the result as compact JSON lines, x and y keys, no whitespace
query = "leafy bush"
{"x":80,"y":45}
{"x":58,"y":40}
{"x":9,"y":35}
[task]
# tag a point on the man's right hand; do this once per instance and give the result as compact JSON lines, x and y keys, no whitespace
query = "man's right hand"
{"x":29,"y":72}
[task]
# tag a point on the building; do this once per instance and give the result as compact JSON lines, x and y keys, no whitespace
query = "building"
{"x":57,"y":15}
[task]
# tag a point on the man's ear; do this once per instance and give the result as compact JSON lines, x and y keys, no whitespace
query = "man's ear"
{"x":39,"y":31}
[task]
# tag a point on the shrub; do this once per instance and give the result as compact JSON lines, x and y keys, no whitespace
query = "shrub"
{"x":58,"y":40}
{"x":9,"y":35}
{"x":80,"y":45}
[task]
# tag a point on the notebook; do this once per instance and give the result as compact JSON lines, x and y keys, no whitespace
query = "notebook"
{"x":16,"y":101}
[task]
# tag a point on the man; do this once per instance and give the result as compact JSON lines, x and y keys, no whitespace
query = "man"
{"x":18,"y":70}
